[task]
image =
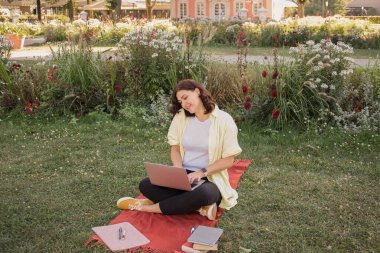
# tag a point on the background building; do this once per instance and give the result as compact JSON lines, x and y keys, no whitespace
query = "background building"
{"x":229,"y":9}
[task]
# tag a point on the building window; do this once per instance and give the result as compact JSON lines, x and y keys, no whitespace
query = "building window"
{"x":220,"y":11}
{"x":238,"y":6}
{"x":183,"y":10}
{"x":257,"y":6}
{"x":200,"y":9}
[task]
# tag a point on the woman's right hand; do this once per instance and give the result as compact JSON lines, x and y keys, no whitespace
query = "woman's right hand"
{"x":195,"y":176}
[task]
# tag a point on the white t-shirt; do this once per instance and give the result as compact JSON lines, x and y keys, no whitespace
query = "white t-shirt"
{"x":195,"y":143}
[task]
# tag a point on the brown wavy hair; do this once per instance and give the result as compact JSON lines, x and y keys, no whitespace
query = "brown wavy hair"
{"x":189,"y":84}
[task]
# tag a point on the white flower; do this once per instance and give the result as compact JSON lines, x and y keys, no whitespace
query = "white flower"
{"x":324,"y":86}
{"x":332,"y":87}
{"x":317,"y":80}
{"x":334,"y":73}
{"x":154,"y":55}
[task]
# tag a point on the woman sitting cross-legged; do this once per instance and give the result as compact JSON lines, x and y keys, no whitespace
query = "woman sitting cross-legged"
{"x":203,"y":141}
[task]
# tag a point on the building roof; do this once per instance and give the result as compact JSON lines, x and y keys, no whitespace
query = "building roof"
{"x":59,"y":3}
{"x":364,"y":3}
{"x":14,"y":3}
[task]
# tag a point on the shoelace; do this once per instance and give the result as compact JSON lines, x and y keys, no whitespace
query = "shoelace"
{"x":136,"y":206}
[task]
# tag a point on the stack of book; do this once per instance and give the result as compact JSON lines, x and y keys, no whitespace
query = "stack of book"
{"x":203,"y":239}
{"x":189,"y":247}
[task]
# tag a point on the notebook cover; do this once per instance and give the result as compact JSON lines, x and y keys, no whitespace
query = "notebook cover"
{"x":205,"y":235}
{"x":110,"y":236}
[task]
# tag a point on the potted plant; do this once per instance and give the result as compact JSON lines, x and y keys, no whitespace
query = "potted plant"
{"x":15,"y":33}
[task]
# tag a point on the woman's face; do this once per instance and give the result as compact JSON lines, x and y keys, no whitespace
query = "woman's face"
{"x":189,"y":99}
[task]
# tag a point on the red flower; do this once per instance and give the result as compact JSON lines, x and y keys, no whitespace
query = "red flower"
{"x":274,"y":75}
{"x":358,"y":110}
{"x":245,"y":89}
{"x":272,"y":86}
{"x":359,"y":105}
{"x":247,"y":105}
{"x":15,"y":66}
{"x":78,"y":114}
{"x":117,"y":87}
{"x":248,"y":99}
{"x":51,"y":72}
{"x":275,"y":36}
{"x":264,"y":74}
{"x":28,"y":108}
{"x":350,"y":96}
{"x":36,"y":104}
{"x":273,"y":93}
{"x":276,"y":113}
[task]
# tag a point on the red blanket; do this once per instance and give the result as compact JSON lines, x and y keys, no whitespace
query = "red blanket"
{"x":167,"y":233}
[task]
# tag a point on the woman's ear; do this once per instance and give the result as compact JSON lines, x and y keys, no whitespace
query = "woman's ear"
{"x":197,"y":91}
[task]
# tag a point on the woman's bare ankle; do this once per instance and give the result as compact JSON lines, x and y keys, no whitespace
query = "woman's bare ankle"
{"x":155,"y":208}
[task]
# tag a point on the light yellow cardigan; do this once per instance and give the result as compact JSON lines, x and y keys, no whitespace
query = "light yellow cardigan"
{"x":222,"y":143}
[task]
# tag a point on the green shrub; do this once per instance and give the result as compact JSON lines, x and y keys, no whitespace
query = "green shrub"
{"x":225,"y":84}
{"x":148,"y":54}
{"x":57,"y":17}
{"x":55,"y":32}
{"x":359,"y":108}
{"x":5,"y":49}
{"x":23,"y":86}
{"x":81,"y":74}
{"x":306,"y":89}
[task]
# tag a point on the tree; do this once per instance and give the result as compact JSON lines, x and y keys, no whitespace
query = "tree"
{"x":318,"y":7}
{"x":39,"y":15}
{"x":115,"y":6}
{"x":149,"y":4}
{"x":338,"y":6}
{"x":70,"y":5}
{"x":301,"y":5}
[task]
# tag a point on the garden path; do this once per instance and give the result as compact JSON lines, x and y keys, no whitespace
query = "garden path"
{"x":38,"y":52}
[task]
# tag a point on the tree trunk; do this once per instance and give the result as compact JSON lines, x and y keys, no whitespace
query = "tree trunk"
{"x":149,"y":8}
{"x":39,"y":10}
{"x":118,"y":10}
{"x":301,"y":9}
{"x":90,"y":13}
{"x":70,"y":6}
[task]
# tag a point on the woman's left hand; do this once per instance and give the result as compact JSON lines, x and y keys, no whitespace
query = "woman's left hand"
{"x":195,"y":176}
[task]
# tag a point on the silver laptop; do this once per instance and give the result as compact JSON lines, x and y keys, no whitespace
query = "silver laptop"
{"x":170,"y":176}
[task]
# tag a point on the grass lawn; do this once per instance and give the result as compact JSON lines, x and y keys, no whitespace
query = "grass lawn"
{"x":305,"y":192}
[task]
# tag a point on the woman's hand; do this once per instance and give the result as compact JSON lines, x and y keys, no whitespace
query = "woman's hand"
{"x":195,"y":176}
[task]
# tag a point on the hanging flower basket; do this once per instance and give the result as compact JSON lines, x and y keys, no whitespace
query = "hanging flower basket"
{"x":17,"y":41}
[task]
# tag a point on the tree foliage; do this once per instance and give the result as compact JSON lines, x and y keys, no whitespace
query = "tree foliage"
{"x":318,"y":7}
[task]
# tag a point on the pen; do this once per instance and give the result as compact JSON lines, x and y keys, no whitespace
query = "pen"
{"x":120,"y":233}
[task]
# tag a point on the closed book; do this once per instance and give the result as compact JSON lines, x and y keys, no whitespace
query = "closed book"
{"x":205,"y":235}
{"x":187,"y":247}
{"x":205,"y":247}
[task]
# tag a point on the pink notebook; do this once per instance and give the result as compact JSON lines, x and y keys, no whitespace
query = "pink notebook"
{"x":120,"y":236}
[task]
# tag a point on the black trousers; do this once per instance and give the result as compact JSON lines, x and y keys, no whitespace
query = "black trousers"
{"x":173,"y":201}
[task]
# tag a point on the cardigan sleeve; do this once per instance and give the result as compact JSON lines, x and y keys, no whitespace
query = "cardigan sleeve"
{"x":173,"y":133}
{"x":230,"y":141}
